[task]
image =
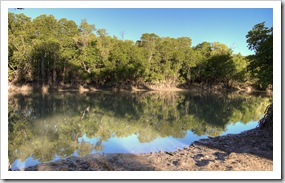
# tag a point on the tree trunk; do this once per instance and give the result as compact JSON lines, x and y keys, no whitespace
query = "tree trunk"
{"x":54,"y":71}
{"x":149,"y":59}
{"x":43,"y":69}
{"x":189,"y":75}
{"x":63,"y":74}
{"x":48,"y":77}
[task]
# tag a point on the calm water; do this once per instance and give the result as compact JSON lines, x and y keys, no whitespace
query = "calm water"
{"x":50,"y":127}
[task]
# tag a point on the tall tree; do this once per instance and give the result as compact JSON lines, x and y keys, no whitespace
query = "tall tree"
{"x":87,"y":53}
{"x":260,"y":40}
{"x":148,"y":42}
{"x":203,"y":53}
{"x":46,"y":48}
{"x":67,"y":30}
{"x":20,"y":34}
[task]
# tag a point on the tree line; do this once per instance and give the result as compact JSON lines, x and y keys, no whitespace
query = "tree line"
{"x":47,"y":51}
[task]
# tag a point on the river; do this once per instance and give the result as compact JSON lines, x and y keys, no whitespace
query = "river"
{"x":48,"y":127}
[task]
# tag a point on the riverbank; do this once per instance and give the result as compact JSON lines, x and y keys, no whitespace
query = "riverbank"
{"x":251,"y":150}
{"x":213,"y":88}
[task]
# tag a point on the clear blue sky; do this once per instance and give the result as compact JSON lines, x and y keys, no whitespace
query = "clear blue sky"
{"x":225,"y":25}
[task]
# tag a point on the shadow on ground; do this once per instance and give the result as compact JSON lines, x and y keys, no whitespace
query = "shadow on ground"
{"x":256,"y":142}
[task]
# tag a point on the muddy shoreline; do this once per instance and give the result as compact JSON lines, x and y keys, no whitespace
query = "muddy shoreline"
{"x":141,"y":87}
{"x":250,"y":150}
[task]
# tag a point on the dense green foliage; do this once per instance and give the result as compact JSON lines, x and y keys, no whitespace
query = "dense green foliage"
{"x":43,"y":126}
{"x":47,"y":51}
{"x":260,"y":39}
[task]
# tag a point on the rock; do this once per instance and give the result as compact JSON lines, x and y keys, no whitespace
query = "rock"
{"x":202,"y":163}
{"x":43,"y":167}
{"x":177,"y":162}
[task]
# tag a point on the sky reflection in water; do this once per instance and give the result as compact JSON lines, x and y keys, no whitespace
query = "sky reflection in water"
{"x":59,"y":125}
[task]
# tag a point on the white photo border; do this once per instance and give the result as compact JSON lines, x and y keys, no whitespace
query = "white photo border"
{"x":275,"y":174}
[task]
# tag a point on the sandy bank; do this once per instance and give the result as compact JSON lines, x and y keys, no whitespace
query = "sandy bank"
{"x":29,"y":89}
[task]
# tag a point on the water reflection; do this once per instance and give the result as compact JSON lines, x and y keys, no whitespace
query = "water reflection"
{"x":48,"y":127}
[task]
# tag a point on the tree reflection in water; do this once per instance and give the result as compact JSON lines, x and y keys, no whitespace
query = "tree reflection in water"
{"x":47,"y":126}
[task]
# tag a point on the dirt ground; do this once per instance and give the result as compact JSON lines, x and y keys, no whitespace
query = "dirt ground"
{"x":248,"y":151}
